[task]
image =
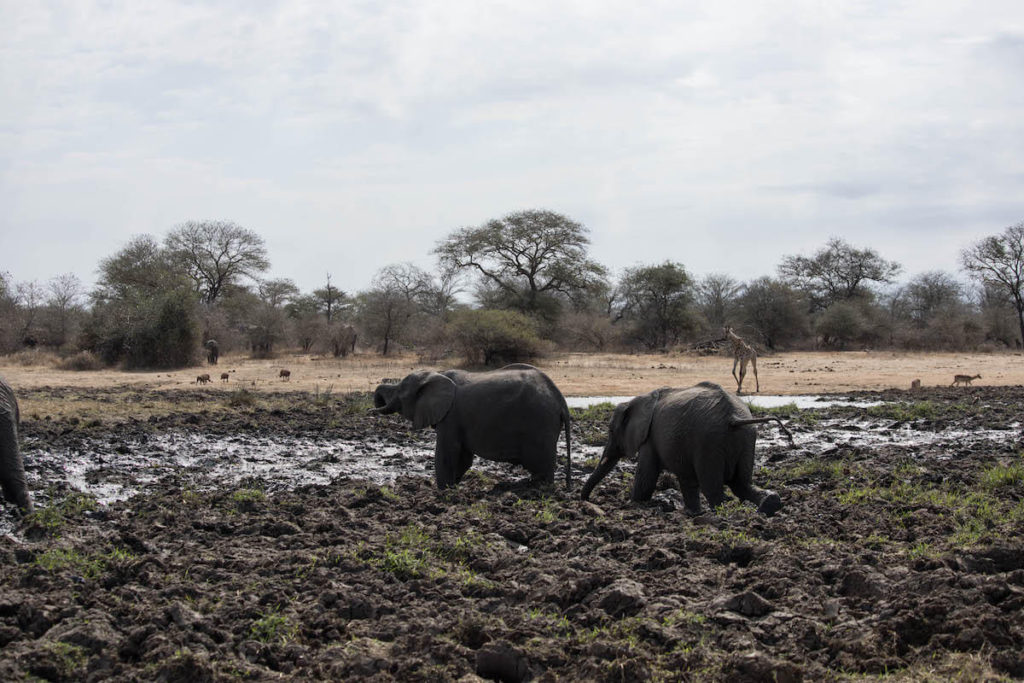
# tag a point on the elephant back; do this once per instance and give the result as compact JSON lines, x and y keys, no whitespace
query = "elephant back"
{"x":706,"y":401}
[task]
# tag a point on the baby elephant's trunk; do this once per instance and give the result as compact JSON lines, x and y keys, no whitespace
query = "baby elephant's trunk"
{"x":384,"y":398}
{"x":608,"y":460}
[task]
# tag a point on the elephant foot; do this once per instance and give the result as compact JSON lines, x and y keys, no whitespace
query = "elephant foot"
{"x":770,"y":504}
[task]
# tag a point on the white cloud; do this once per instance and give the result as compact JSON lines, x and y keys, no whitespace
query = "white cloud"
{"x":722,"y":135}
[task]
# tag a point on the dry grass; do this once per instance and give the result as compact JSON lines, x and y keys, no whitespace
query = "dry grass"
{"x":577,"y":374}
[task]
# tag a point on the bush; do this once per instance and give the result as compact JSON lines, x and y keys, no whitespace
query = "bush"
{"x":159,"y":331}
{"x":494,"y":337}
{"x":30,"y":358}
{"x":83,"y":360}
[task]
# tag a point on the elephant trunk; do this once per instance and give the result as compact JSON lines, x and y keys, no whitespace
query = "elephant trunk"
{"x":608,"y":460}
{"x":384,"y":399}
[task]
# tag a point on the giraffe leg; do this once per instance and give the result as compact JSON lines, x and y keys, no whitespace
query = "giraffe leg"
{"x":743,"y":373}
{"x":753,"y":364}
{"x":739,"y":382}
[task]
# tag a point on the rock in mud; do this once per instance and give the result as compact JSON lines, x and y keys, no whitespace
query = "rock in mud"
{"x":756,"y":667}
{"x":623,"y":598}
{"x":749,"y":604}
{"x":501,"y":662}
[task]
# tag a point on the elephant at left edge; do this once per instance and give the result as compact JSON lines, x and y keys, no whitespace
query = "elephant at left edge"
{"x":513,"y":415}
{"x":12,"y":469}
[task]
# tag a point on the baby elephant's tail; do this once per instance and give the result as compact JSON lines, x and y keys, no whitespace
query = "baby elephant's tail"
{"x":740,"y":422}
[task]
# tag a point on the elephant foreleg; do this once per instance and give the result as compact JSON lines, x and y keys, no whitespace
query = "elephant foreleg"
{"x":462,"y":466}
{"x":447,"y":462}
{"x":648,"y":468}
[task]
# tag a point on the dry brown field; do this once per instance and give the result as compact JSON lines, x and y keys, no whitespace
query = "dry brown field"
{"x":577,"y":374}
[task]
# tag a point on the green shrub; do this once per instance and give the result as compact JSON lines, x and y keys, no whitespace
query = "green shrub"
{"x":494,"y":337}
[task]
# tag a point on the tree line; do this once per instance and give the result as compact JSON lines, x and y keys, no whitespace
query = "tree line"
{"x":508,"y":289}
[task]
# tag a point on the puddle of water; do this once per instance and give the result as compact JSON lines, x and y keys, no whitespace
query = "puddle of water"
{"x":114,"y":471}
{"x":802,"y":402}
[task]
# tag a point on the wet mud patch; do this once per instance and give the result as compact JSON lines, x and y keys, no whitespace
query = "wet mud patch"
{"x":888,"y":557}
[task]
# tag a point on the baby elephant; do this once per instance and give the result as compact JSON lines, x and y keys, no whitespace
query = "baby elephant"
{"x":512,"y":415}
{"x":285,"y":375}
{"x":702,"y":434}
{"x":12,"y":470}
{"x":203,"y":378}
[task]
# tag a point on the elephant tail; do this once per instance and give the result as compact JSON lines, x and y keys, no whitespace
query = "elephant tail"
{"x":567,"y":423}
{"x":741,"y":422}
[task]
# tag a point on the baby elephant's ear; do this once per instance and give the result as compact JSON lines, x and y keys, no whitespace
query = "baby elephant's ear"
{"x":433,"y":400}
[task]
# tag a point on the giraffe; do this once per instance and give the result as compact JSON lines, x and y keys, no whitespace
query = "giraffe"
{"x":742,"y":352}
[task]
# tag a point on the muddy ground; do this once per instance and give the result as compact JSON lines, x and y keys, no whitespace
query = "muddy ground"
{"x":899,"y":555}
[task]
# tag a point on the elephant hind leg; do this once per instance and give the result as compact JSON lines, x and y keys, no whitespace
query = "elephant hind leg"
{"x":767,"y":502}
{"x":12,"y":471}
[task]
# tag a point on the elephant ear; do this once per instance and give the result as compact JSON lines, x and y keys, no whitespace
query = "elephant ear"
{"x":433,"y":400}
{"x":637,"y":420}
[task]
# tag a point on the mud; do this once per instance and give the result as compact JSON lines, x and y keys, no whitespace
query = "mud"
{"x":213,"y":543}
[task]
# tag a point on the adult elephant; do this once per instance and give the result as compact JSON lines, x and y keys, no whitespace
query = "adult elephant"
{"x":703,"y":435}
{"x":513,"y":415}
{"x":12,"y":470}
{"x":212,"y":351}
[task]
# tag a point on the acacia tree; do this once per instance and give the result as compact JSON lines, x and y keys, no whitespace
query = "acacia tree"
{"x":837,"y":272}
{"x":331,"y":299}
{"x":998,"y":261}
{"x":657,"y":300}
{"x":525,"y":259}
{"x":216,"y":254}
{"x":775,"y":310}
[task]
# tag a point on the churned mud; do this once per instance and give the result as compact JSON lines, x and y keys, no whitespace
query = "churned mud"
{"x":182,"y":535}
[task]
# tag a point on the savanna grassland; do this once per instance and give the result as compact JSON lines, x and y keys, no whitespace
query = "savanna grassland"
{"x":898,"y":554}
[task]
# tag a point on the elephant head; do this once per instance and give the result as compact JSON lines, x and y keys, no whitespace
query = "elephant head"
{"x":424,"y":397}
{"x":630,"y":426}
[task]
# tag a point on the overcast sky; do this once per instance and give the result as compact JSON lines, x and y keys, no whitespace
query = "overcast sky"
{"x":353,"y":135}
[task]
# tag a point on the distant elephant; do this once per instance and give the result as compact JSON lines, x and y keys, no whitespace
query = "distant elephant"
{"x":212,"y":351}
{"x":12,"y":469}
{"x":703,"y":435}
{"x":343,"y":340}
{"x":512,"y":415}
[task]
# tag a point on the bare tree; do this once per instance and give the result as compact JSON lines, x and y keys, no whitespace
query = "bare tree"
{"x":65,"y":292}
{"x":717,"y":296}
{"x":998,"y":261}
{"x":30,"y":298}
{"x":216,"y":254}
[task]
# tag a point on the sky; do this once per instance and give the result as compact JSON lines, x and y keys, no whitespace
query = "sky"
{"x":353,"y":135}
